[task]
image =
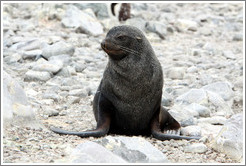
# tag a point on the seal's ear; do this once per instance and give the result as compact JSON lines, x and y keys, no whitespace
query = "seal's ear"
{"x":138,"y":38}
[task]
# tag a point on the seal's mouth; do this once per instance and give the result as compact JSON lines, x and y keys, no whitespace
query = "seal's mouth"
{"x":113,"y":50}
{"x":109,"y":47}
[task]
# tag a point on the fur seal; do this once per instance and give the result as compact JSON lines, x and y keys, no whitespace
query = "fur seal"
{"x":128,"y":99}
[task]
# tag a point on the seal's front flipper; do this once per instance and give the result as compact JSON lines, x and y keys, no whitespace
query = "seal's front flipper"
{"x":165,"y":127}
{"x":103,"y":121}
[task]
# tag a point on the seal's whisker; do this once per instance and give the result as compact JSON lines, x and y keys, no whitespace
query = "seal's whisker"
{"x":129,"y":50}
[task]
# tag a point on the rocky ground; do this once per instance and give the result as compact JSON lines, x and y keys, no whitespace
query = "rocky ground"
{"x":200,"y":47}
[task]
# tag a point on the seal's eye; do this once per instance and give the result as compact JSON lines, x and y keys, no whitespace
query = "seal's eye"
{"x":121,"y":37}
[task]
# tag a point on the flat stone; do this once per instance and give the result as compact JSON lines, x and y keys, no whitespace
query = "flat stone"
{"x":193,"y":96}
{"x":37,"y":76}
{"x":196,"y":148}
{"x":191,"y":131}
{"x":224,"y":89}
{"x":58,"y":48}
{"x":228,"y":54}
{"x":91,"y":152}
{"x":215,"y":120}
{"x":202,"y":110}
{"x":176,"y":73}
{"x":158,"y":28}
{"x":133,"y":149}
{"x":84,"y":22}
{"x":78,"y":92}
{"x":230,"y":138}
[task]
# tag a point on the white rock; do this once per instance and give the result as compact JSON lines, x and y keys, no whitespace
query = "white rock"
{"x":37,"y":76}
{"x":191,"y":131}
{"x":58,"y":48}
{"x":185,"y":25}
{"x":193,"y":96}
{"x":196,"y":148}
{"x":176,"y":73}
{"x":50,"y":66}
{"x":91,"y":152}
{"x":216,"y":120}
{"x":84,"y":22}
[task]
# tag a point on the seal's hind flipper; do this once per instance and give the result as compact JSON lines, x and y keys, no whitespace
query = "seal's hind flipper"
{"x":165,"y":127}
{"x":103,"y":121}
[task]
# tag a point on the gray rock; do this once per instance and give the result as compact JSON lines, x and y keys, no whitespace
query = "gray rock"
{"x":196,"y":148}
{"x":215,"y":120}
{"x":230,"y":138}
{"x":158,"y":28}
{"x":176,"y":73}
{"x":79,"y":67}
{"x":31,"y":45}
{"x":238,"y":37}
{"x":192,"y":69}
{"x":202,"y":110}
{"x":133,"y":149}
{"x":228,"y":54}
{"x":100,"y":9}
{"x":64,"y":72}
{"x":65,"y":58}
{"x":58,"y":48}
{"x":13,"y":58}
{"x":196,"y":52}
{"x":191,"y":131}
{"x":184,"y":118}
{"x":69,"y":81}
{"x":31,"y":54}
{"x":215,"y":100}
{"x":73,"y":100}
{"x":16,"y":109}
{"x":82,"y":21}
{"x":184,"y":25}
{"x":91,"y":152}
{"x":51,"y":112}
{"x":137,"y":22}
{"x":193,"y":96}
{"x":37,"y":76}
{"x":78,"y":92}
{"x":52,"y":66}
{"x":167,"y":99}
{"x":51,"y":95}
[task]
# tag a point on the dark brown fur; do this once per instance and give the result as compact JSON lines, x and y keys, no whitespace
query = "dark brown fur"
{"x":128,"y":99}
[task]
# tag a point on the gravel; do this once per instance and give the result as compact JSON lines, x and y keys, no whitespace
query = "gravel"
{"x":191,"y":50}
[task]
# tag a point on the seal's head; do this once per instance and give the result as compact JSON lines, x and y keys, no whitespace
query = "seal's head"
{"x":122,"y":41}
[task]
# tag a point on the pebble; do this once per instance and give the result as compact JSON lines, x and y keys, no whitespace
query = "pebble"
{"x":237,"y":37}
{"x":32,"y":54}
{"x":37,"y":76}
{"x":58,"y":48}
{"x":216,"y":120}
{"x":51,"y":112}
{"x":229,"y":55}
{"x":78,"y":92}
{"x":196,"y":148}
{"x":51,"y":66}
{"x":176,"y":73}
{"x":191,"y":131}
{"x":201,"y":110}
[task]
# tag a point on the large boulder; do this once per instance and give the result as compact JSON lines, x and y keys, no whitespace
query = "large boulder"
{"x":117,"y":150}
{"x":230,"y":138}
{"x":16,"y":109}
{"x":83,"y":21}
